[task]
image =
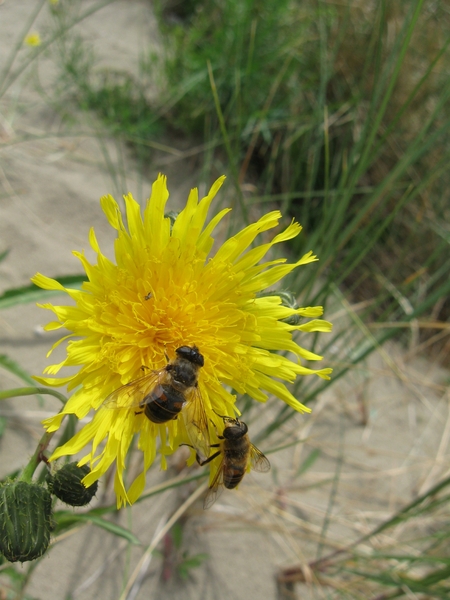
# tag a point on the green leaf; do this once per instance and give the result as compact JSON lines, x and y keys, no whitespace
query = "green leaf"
{"x":189,"y":563}
{"x":33,"y":293}
{"x":66,"y":520}
{"x":4,"y":254}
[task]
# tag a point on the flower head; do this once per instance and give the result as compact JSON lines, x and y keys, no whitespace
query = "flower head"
{"x":165,"y":292}
{"x":33,"y":39}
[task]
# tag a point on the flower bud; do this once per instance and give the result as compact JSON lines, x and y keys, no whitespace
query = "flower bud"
{"x":172,"y":215}
{"x":288,"y":300}
{"x":25,"y":520}
{"x":66,"y":484}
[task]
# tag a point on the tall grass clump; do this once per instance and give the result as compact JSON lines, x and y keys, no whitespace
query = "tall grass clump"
{"x":338,"y":113}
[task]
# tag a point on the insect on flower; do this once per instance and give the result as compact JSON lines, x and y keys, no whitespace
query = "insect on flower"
{"x":170,"y":284}
{"x":162,"y":395}
{"x":237,"y":454}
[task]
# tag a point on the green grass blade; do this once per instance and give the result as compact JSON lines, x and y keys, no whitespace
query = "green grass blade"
{"x":66,"y":520}
{"x":33,"y":293}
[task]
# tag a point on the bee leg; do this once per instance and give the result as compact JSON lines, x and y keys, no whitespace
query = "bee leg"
{"x":138,"y":412}
{"x":207,"y":460}
{"x":219,"y":436}
{"x":211,"y":446}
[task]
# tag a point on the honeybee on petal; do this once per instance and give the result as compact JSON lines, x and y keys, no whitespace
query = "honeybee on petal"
{"x":237,"y":454}
{"x":163,"y":394}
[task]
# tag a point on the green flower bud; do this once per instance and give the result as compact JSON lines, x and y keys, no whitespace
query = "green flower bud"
{"x":288,"y":300}
{"x":25,"y":520}
{"x":172,"y":215}
{"x":66,"y":484}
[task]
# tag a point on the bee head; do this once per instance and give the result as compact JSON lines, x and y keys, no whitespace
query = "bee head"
{"x":191,"y":354}
{"x":234,"y":429}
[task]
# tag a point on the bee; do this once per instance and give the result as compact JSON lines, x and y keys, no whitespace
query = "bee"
{"x":237,"y":453}
{"x":163,"y":394}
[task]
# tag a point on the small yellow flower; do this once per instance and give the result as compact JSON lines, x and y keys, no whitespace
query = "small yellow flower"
{"x":165,"y":291}
{"x":33,"y":39}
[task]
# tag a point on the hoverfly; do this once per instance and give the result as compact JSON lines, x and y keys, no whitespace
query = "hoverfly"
{"x":163,"y":394}
{"x":237,"y":454}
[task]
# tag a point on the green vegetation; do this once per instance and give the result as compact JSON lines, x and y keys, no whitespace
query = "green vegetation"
{"x":338,"y":114}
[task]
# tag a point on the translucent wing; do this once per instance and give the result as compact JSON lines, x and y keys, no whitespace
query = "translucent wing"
{"x":258,"y":461}
{"x":216,"y":488}
{"x":196,"y":422}
{"x":133,"y":394}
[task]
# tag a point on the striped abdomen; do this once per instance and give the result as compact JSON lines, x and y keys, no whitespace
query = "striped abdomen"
{"x":236,"y":452}
{"x":163,"y":404}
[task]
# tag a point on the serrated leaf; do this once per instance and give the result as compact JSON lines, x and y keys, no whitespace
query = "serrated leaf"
{"x":33,"y":293}
{"x":66,"y":519}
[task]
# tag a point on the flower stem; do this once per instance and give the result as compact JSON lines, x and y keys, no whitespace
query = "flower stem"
{"x":31,"y":391}
{"x":38,"y":456}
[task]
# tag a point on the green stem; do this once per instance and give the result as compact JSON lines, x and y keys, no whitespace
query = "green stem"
{"x":226,"y":139}
{"x":30,"y":468}
{"x":31,"y":391}
{"x":38,"y":456}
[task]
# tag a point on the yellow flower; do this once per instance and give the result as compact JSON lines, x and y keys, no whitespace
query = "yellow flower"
{"x":166,"y":291}
{"x":33,"y":39}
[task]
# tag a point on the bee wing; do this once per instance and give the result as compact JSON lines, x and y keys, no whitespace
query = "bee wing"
{"x":216,"y":488}
{"x":258,"y":461}
{"x":132,"y":394}
{"x":196,"y":422}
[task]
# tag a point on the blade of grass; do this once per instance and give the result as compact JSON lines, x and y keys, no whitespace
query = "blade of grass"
{"x":33,"y":293}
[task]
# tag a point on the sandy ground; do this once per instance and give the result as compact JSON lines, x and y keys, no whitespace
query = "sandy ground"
{"x":50,"y":187}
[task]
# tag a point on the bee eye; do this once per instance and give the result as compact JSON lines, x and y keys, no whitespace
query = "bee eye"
{"x":184,"y":351}
{"x":191,"y":354}
{"x":199,"y":360}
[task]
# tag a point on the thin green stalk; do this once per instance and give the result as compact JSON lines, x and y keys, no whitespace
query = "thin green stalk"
{"x":38,"y":456}
{"x":31,"y":391}
{"x":333,"y":493}
{"x":226,"y":139}
{"x":368,"y":142}
{"x":28,"y":471}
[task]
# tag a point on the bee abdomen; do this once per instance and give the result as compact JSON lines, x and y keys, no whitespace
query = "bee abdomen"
{"x":163,"y":404}
{"x":235,"y":461}
{"x":233,"y":476}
